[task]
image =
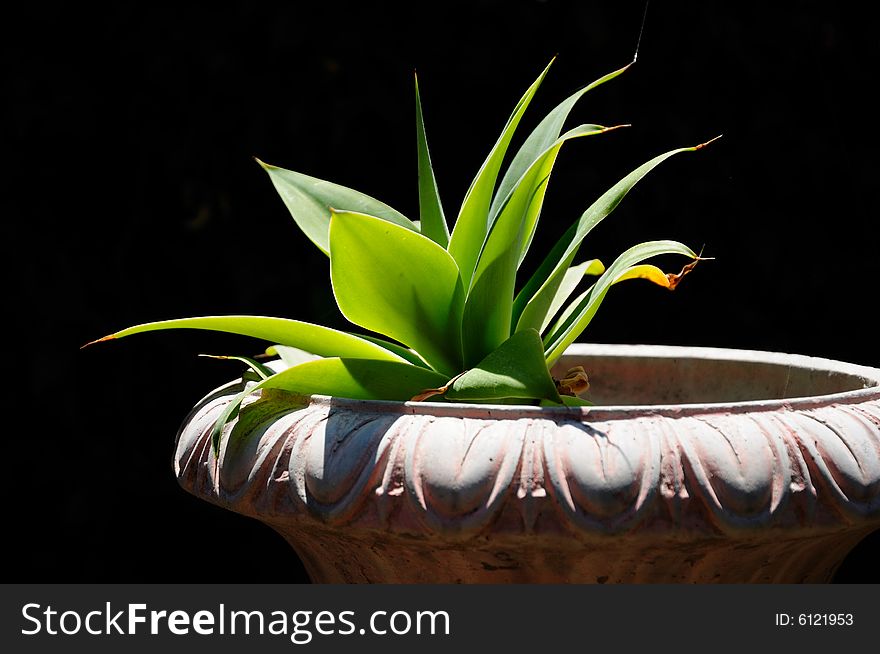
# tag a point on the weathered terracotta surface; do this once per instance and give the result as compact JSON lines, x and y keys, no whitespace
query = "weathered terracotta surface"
{"x":725,"y":466}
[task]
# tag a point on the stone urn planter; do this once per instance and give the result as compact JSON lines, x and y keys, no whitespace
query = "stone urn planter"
{"x":696,"y":465}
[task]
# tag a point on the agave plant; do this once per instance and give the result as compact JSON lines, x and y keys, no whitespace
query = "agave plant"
{"x":453,"y":324}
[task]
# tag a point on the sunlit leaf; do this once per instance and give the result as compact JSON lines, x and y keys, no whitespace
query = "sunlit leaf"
{"x":309,"y":201}
{"x":489,"y":302}
{"x":646,"y":271}
{"x":542,"y":171}
{"x":260,"y":369}
{"x":404,"y":353}
{"x":271,"y":406}
{"x":360,"y":379}
{"x":399,"y":283}
{"x":440,"y":308}
{"x":316,"y":339}
{"x":541,"y":138}
{"x":517,"y":369}
{"x":549,"y":275}
{"x":472,"y":225}
{"x":582,"y":310}
{"x":291,"y":356}
{"x":642,"y":271}
{"x":539,"y":312}
{"x":433,"y":222}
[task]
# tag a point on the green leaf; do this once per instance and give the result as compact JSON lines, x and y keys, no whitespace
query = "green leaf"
{"x":360,"y":379}
{"x":579,"y":314}
{"x":263,"y":372}
{"x":517,"y":369}
{"x":404,"y":353}
{"x":539,"y":312}
{"x":290,"y":356}
{"x":316,"y":339}
{"x":433,"y":222}
{"x":309,"y":201}
{"x":271,"y":406}
{"x":489,"y":302}
{"x":542,"y":170}
{"x":399,"y":283}
{"x":472,"y":223}
{"x":541,"y":138}
{"x":641,"y":271}
{"x":230,"y":411}
{"x":546,"y":280}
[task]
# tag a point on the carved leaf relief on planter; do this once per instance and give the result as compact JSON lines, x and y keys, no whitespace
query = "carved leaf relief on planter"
{"x":727,"y":466}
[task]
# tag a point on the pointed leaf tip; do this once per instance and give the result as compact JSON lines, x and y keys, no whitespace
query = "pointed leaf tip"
{"x":109,"y":337}
{"x":614,"y":127}
{"x":703,"y":145}
{"x":675,"y":280}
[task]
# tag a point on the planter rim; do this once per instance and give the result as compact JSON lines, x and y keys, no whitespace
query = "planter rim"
{"x":870,"y":377}
{"x":442,"y":492}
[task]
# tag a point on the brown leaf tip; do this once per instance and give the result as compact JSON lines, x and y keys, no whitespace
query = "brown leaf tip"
{"x":100,"y":340}
{"x":675,"y":280}
{"x":614,"y":127}
{"x":431,"y":392}
{"x":703,"y":145}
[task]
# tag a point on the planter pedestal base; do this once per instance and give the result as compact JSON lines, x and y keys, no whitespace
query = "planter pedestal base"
{"x":330,"y":559}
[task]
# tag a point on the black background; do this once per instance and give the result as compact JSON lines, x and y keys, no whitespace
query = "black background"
{"x":132,"y":196}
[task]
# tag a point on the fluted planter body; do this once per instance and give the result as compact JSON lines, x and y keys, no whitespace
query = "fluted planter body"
{"x":696,"y":465}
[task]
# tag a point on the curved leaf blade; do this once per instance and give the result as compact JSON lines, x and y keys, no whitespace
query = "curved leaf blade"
{"x":541,"y":309}
{"x":641,"y":271}
{"x":309,"y":199}
{"x":271,"y":406}
{"x":399,"y":283}
{"x":517,"y":369}
{"x":578,"y":315}
{"x":549,"y":275}
{"x":262,"y":371}
{"x":541,"y":138}
{"x":646,"y":271}
{"x":472,"y":223}
{"x":489,"y":304}
{"x":315,"y":339}
{"x":290,"y":356}
{"x":404,"y":353}
{"x":432,"y":220}
{"x":230,"y":412}
{"x":545,"y":168}
{"x":359,"y":379}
